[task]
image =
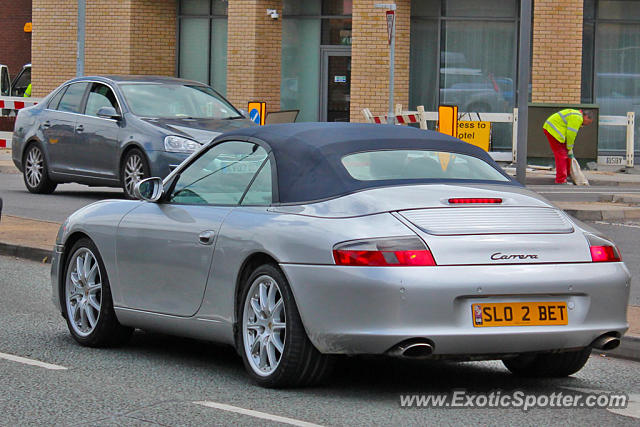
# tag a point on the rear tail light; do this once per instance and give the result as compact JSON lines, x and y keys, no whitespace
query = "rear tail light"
{"x":474,"y":200}
{"x":602,"y":250}
{"x":398,"y":251}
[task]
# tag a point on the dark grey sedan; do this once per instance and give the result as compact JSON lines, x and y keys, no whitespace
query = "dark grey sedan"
{"x":114,"y":131}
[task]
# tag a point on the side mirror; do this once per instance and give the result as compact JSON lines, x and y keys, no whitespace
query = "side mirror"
{"x":149,"y":189}
{"x":108,"y":113}
{"x":244,"y":113}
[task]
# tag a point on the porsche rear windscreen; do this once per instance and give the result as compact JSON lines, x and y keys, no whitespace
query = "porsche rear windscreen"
{"x":385,"y":165}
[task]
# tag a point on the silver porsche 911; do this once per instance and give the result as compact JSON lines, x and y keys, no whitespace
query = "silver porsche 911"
{"x":295,"y":243}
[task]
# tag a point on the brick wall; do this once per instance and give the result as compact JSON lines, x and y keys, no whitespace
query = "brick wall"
{"x":370,"y":58}
{"x":15,"y":44}
{"x":253,"y":53}
{"x":153,"y":37}
{"x":53,"y":52}
{"x":139,"y":37}
{"x":108,"y":37}
{"x":557,"y":51}
{"x":123,"y":37}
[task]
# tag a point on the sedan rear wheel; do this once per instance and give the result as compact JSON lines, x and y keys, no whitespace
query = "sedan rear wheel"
{"x":548,"y":364}
{"x":275,"y":347}
{"x":35,"y":173}
{"x":134,"y":169}
{"x":87,"y":304}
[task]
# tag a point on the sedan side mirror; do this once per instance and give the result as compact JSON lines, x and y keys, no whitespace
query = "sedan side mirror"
{"x":149,"y":189}
{"x":108,"y":113}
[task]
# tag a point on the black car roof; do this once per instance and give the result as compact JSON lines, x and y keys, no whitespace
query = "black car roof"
{"x":308,"y":155}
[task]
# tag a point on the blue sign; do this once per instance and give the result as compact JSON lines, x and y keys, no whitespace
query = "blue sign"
{"x":254,"y":115}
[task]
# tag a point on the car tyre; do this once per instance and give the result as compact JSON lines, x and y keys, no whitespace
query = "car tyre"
{"x":134,"y":168}
{"x":87,"y":304}
{"x":548,"y":364}
{"x":271,"y":337}
{"x":36,"y":172}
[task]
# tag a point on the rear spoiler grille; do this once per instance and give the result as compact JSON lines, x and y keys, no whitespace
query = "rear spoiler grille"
{"x":489,"y":220}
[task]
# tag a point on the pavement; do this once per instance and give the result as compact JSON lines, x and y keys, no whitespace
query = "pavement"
{"x":34,"y":239}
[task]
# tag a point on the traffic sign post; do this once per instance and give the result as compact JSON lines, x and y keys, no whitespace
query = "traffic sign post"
{"x":391,"y":34}
{"x":257,"y":112}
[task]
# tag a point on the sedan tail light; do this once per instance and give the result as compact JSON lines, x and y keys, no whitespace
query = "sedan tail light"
{"x":397,"y":251}
{"x":602,"y":250}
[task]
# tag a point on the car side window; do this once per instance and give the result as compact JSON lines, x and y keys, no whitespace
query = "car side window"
{"x":5,"y":81}
{"x":72,"y":98}
{"x":53,"y":104}
{"x":220,"y":176}
{"x":100,"y":96}
{"x":260,"y":192}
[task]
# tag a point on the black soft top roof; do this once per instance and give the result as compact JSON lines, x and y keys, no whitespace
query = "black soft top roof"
{"x":308,"y":155}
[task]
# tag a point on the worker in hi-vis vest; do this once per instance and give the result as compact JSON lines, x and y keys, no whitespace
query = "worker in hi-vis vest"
{"x":561,"y":129}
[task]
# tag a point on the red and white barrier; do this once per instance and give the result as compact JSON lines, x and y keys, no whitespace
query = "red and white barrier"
{"x":16,"y":102}
{"x":5,"y":139}
{"x":400,"y":117}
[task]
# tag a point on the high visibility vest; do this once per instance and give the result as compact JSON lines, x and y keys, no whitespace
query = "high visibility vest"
{"x":564,"y":126}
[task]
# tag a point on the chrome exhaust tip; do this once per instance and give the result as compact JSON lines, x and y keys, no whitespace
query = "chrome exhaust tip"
{"x":412,"y":350}
{"x":606,"y":342}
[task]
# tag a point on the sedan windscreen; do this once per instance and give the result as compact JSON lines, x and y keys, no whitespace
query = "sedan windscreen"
{"x":418,"y":164}
{"x":171,"y":101}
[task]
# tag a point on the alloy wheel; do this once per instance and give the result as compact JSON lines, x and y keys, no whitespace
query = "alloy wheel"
{"x":264,"y":325}
{"x":34,"y":167}
{"x":83,"y":292}
{"x":133,"y":172}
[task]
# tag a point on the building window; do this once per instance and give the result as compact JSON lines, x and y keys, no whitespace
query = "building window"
{"x":611,"y":66}
{"x":464,"y":52}
{"x":306,"y":26}
{"x":202,"y":46}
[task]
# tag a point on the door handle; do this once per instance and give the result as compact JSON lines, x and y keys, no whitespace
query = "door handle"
{"x":207,"y":237}
{"x":79,"y":128}
{"x":46,"y":124}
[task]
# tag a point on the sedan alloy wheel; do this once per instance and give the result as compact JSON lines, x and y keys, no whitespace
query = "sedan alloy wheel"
{"x":34,"y":167}
{"x":134,"y":169}
{"x":35,"y":173}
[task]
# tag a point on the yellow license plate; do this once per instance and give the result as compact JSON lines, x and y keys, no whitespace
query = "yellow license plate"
{"x":519,"y":314}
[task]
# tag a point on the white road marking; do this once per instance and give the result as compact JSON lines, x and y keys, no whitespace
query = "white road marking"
{"x":31,"y":362}
{"x":618,"y":224}
{"x":256,"y":414}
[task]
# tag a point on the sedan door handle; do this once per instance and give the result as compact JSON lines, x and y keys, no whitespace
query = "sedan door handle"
{"x":207,"y":237}
{"x":79,"y":128}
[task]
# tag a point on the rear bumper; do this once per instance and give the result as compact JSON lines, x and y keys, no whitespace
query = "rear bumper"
{"x":368,"y":310}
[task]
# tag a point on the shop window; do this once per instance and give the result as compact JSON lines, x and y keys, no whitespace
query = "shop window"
{"x":306,"y":25}
{"x":203,"y":42}
{"x":611,"y":66}
{"x":465,"y":56}
{"x":480,"y":8}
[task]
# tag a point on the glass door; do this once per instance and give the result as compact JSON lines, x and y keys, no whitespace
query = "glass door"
{"x":335,"y":87}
